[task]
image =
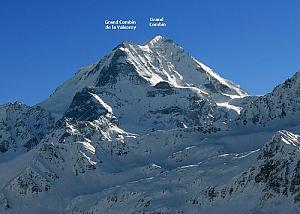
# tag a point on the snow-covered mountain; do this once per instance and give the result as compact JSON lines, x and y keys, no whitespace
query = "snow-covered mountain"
{"x":153,"y":86}
{"x":149,"y":129}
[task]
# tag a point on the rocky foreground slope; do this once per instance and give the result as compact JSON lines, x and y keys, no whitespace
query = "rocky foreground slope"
{"x":149,"y":129}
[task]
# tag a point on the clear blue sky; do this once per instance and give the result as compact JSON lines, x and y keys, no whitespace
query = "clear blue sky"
{"x":255,"y":43}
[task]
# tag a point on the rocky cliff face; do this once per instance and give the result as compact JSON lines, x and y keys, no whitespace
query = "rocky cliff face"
{"x":280,"y":104}
{"x":22,"y":127}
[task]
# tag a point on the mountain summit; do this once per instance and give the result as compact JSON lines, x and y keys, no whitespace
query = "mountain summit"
{"x":149,"y":81}
{"x":158,"y":60}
